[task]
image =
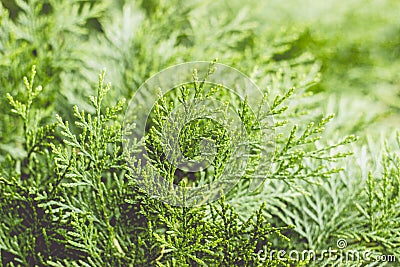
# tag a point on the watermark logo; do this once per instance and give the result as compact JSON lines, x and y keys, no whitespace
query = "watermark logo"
{"x":208,"y":106}
{"x":339,"y":254}
{"x":341,"y":243}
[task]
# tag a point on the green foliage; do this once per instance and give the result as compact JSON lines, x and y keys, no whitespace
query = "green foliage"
{"x":84,"y":210}
{"x":378,"y":208}
{"x":69,"y":198}
{"x":207,"y":235}
{"x":49,"y":34}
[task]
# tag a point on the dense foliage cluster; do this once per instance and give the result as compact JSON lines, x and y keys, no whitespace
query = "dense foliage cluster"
{"x":69,"y":191}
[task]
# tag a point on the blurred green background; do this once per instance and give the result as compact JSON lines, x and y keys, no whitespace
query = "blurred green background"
{"x":356,"y":44}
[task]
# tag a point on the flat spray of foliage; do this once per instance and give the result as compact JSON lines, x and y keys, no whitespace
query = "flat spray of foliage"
{"x":68,"y":197}
{"x":72,"y":198}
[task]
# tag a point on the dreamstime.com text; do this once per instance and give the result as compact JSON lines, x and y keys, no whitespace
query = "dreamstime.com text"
{"x":339,"y":254}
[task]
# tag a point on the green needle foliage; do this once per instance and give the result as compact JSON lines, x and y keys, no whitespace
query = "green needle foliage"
{"x":72,"y":194}
{"x":86,"y":210}
{"x":81,"y":203}
{"x":378,"y":225}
